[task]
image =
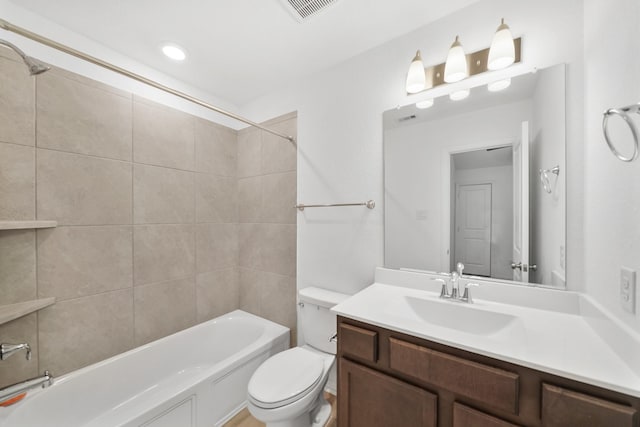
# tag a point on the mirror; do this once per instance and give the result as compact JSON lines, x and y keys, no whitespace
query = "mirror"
{"x":480,"y":181}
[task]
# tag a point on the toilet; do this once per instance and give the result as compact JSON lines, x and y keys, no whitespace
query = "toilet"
{"x":287,"y":390}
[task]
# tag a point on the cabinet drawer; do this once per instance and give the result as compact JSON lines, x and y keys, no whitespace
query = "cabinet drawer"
{"x":358,"y":342}
{"x":483,"y":383}
{"x":562,"y":407}
{"x":463,"y":416}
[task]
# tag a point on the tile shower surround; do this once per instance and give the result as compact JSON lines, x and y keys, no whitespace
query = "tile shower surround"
{"x":164,"y":219}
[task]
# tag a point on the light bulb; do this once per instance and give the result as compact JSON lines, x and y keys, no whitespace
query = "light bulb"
{"x":499,"y":85}
{"x":502,"y":52}
{"x":416,"y":80}
{"x":459,"y":95}
{"x":424,"y":104}
{"x":455,"y":69}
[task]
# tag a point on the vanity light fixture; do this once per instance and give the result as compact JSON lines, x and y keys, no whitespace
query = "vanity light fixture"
{"x":173,"y":51}
{"x":456,"y":68}
{"x":415,"y":77}
{"x":499,"y":85}
{"x":459,"y":95}
{"x":502,"y":52}
{"x":422,"y":105}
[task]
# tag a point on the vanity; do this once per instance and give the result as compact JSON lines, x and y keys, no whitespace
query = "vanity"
{"x":514,"y":357}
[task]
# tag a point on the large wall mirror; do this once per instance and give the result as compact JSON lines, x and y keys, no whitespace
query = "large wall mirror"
{"x":480,"y":181}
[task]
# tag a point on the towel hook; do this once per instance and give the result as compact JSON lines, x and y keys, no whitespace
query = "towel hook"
{"x":623,"y":113}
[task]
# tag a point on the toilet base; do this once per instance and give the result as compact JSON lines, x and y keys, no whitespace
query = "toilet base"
{"x":318,"y":416}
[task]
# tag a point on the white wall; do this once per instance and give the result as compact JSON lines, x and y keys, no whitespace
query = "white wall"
{"x":501,"y":179}
{"x":24,"y":18}
{"x":547,"y":150}
{"x":612,"y":188}
{"x":340,"y":131}
{"x":416,"y":159}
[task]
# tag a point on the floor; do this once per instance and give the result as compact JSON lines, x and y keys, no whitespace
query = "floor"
{"x":244,"y":418}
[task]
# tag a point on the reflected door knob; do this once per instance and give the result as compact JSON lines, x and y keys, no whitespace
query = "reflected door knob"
{"x":517,"y":266}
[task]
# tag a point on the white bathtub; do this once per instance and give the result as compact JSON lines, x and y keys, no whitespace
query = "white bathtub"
{"x":194,"y":378}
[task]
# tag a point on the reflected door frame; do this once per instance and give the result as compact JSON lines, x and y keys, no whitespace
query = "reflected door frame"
{"x":447,"y":153}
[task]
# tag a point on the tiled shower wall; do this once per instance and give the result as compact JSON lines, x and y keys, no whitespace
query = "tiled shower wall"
{"x":146,"y":199}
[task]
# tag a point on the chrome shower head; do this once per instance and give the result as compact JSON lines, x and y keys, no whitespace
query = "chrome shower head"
{"x":35,"y":66}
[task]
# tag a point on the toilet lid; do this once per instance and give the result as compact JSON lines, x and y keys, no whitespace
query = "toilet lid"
{"x":285,"y":377}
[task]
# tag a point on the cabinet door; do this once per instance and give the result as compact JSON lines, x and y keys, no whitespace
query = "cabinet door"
{"x":367,"y":398}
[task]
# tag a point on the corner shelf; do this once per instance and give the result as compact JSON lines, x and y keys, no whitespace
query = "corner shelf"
{"x":21,"y":225}
{"x":13,"y":311}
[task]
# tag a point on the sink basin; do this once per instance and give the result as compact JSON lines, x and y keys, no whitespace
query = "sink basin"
{"x":459,"y":316}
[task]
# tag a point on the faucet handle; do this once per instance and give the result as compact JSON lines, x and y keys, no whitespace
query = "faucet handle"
{"x":467,"y":295}
{"x":444,"y":292}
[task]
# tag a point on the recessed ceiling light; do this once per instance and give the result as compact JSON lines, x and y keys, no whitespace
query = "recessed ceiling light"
{"x":173,"y":51}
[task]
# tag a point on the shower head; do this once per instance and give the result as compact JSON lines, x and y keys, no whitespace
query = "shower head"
{"x":35,"y":66}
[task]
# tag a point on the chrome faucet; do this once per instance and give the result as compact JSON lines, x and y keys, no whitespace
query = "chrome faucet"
{"x":8,"y":350}
{"x":14,"y":390}
{"x":454,"y":278}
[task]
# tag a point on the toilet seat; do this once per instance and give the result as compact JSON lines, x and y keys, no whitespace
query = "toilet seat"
{"x":286,"y":377}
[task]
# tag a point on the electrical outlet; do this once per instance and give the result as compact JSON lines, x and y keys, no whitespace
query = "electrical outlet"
{"x":628,"y":289}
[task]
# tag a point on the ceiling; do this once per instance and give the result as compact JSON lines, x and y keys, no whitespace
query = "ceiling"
{"x":241,"y":49}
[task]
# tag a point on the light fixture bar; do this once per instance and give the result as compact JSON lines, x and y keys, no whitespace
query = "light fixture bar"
{"x":477,"y":62}
{"x":92,"y":59}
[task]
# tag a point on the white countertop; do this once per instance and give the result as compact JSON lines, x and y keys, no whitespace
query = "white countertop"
{"x":560,"y":332}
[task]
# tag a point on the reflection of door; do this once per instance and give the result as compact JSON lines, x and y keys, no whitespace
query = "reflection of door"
{"x":473,"y":228}
{"x":520,"y":263}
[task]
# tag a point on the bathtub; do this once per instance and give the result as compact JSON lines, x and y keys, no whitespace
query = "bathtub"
{"x":194,"y":378}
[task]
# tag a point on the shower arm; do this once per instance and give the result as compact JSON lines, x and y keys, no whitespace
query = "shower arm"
{"x":96,"y":61}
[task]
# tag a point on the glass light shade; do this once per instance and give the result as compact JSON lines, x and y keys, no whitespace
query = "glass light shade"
{"x":424,"y":104}
{"x":174,"y":52}
{"x":455,"y":69}
{"x":416,"y":80}
{"x":459,"y":95}
{"x":502,"y":52}
{"x":499,"y":85}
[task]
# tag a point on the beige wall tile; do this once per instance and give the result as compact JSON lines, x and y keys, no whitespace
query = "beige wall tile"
{"x":218,"y":293}
{"x":279,"y":154}
{"x":163,"y":252}
{"x":278,"y":299}
{"x":17,"y":266}
{"x":82,"y":331}
{"x":249,"y":152}
{"x":279,"y":255}
{"x":162,"y":136}
{"x":17,"y":368}
{"x":17,"y":182}
{"x":162,"y":195}
{"x":249,"y":199}
{"x":164,"y":308}
{"x":216,"y":149}
{"x":216,"y":198}
{"x":216,"y":246}
{"x":81,"y":261}
{"x":250,"y":245}
{"x":79,"y":190}
{"x":279,"y":198}
{"x":17,"y":103}
{"x":82,"y":118}
{"x":250,"y":293}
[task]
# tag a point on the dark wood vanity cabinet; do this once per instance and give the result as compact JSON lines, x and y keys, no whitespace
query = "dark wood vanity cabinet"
{"x":389,"y":379}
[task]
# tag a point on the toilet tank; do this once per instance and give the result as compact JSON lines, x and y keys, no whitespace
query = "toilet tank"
{"x":317,"y":322}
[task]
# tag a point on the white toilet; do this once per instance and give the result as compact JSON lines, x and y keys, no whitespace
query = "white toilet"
{"x":287,"y":389}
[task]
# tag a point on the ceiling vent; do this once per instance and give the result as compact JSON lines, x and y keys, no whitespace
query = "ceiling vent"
{"x":302,"y":10}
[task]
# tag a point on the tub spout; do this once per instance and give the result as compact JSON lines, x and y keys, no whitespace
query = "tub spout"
{"x":7,"y":350}
{"x":14,"y":390}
